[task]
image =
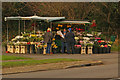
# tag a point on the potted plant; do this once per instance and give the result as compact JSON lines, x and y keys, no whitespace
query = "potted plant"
{"x":28,"y":47}
{"x":101,"y":48}
{"x":40,"y":49}
{"x":54,"y":47}
{"x":95,"y":48}
{"x":105,"y":48}
{"x":109,"y":48}
{"x":32,"y":48}
{"x":78,"y":49}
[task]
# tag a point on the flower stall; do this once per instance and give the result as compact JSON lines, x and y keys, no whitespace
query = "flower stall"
{"x":87,"y":42}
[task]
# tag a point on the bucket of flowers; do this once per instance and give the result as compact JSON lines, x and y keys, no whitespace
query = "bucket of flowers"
{"x":28,"y":47}
{"x":54,"y":47}
{"x":39,"y":48}
{"x":95,"y":48}
{"x":78,"y":48}
{"x":109,"y":46}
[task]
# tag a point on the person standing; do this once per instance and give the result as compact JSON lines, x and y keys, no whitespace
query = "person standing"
{"x":63,"y":41}
{"x":58,"y":42}
{"x":48,"y":39}
{"x":70,"y":41}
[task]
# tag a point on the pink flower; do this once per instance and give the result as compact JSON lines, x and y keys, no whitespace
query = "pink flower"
{"x":97,"y":38}
{"x":77,"y":45}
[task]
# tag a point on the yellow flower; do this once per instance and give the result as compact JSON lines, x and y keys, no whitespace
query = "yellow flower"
{"x":109,"y":45}
{"x":53,"y":39}
{"x":57,"y":28}
{"x":45,"y":45}
{"x":33,"y":35}
{"x":101,"y":46}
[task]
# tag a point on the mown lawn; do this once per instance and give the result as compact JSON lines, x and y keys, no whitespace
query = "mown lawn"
{"x":35,"y":62}
{"x":11,"y":57}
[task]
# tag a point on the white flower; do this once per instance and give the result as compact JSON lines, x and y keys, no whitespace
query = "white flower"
{"x":99,"y":33}
{"x":89,"y":35}
{"x":86,"y":38}
{"x":17,"y":37}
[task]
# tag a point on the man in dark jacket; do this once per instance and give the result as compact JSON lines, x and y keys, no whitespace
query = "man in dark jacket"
{"x":70,"y":41}
{"x":48,"y":39}
{"x":63,"y":41}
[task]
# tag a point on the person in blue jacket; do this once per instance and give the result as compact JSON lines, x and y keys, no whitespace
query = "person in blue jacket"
{"x":70,"y":41}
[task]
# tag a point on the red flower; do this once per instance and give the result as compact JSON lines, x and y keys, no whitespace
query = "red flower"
{"x":106,"y":46}
{"x":7,"y":51}
{"x":28,"y":42}
{"x":93,"y":25}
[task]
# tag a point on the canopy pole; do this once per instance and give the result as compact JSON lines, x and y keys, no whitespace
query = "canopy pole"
{"x":24,"y":26}
{"x":7,"y":32}
{"x":19,"y":28}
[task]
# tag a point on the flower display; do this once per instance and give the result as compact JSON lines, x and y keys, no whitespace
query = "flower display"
{"x":76,"y":38}
{"x":101,"y":45}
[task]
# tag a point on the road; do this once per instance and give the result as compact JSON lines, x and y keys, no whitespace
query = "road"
{"x":108,"y":70}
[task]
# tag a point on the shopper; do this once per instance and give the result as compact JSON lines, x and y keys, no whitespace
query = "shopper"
{"x":70,"y":41}
{"x":63,"y":41}
{"x":58,"y":42}
{"x":48,"y":39}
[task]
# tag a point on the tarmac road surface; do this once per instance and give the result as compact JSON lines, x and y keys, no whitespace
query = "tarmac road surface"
{"x":108,"y":70}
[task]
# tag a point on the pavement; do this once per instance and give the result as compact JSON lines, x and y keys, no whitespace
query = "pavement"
{"x":108,"y":70}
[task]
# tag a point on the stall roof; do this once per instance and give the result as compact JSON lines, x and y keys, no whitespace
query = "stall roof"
{"x":73,"y":22}
{"x":48,"y":19}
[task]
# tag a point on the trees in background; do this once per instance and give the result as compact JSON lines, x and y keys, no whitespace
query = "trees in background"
{"x":106,"y":14}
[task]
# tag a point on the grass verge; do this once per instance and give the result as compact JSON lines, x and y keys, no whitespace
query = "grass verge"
{"x":9,"y":57}
{"x":35,"y":62}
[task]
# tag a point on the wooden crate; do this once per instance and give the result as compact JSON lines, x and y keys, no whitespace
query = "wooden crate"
{"x":83,"y":50}
{"x":89,"y":51}
{"x":10,"y":48}
{"x":23,"y":49}
{"x":17,"y":49}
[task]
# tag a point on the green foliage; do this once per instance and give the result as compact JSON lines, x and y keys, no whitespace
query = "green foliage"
{"x":11,"y":43}
{"x":106,"y":14}
{"x":39,"y":39}
{"x":89,"y":44}
{"x":25,"y":35}
{"x":35,"y":62}
{"x":24,"y":40}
